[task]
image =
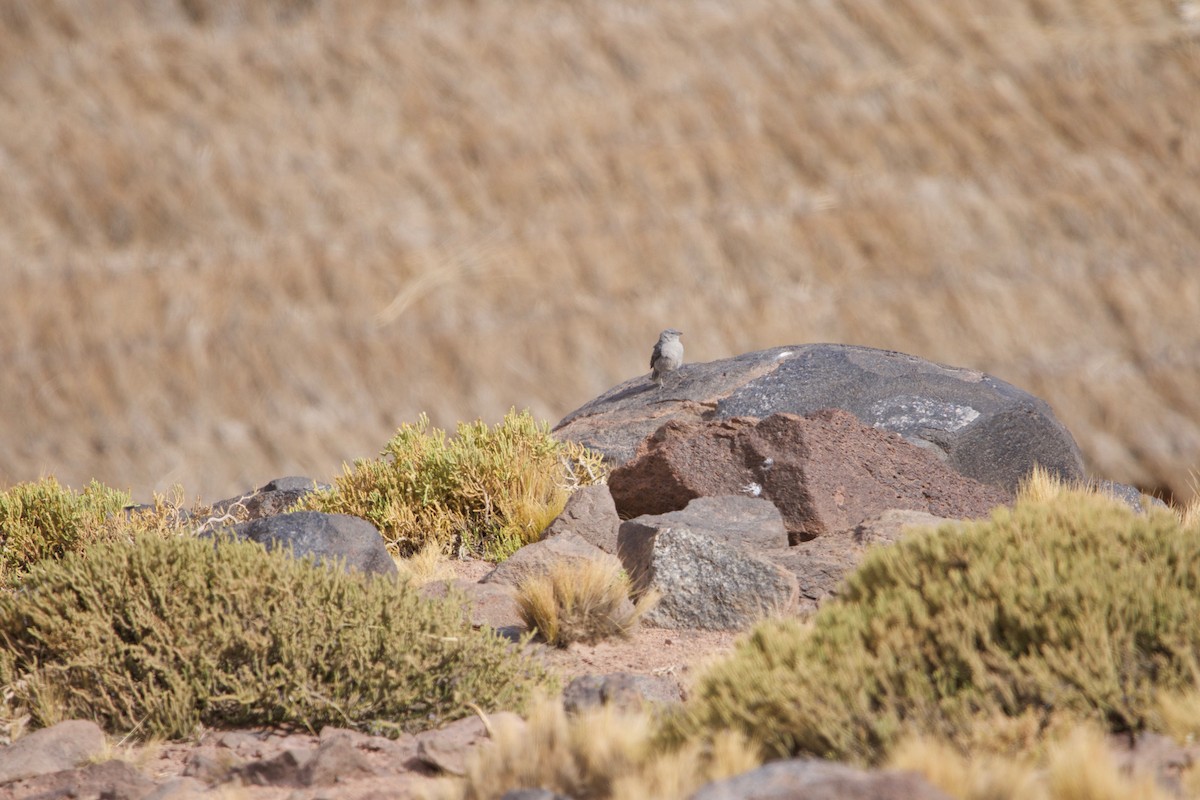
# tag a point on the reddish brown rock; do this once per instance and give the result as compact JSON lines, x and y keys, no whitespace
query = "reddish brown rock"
{"x":824,"y":472}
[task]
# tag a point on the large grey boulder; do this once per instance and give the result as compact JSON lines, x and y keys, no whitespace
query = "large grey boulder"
{"x":326,"y":537}
{"x":981,"y":426}
{"x":705,"y":583}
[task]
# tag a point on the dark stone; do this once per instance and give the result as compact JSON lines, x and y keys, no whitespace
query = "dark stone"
{"x":327,"y":537}
{"x":750,"y":523}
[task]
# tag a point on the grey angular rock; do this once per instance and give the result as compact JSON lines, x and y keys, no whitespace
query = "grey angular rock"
{"x":536,"y":560}
{"x":447,"y":748}
{"x":704,"y":582}
{"x":623,"y":690}
{"x":109,"y":780}
{"x":750,"y":523}
{"x":327,"y":537}
{"x":52,"y":749}
{"x":590,"y":514}
{"x":812,"y":779}
{"x":979,"y":425}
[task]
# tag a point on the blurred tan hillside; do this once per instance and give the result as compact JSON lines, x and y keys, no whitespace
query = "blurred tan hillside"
{"x":246,"y":239}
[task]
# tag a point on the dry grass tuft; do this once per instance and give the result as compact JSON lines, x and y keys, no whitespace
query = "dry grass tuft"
{"x":596,"y":755}
{"x":1078,"y":766}
{"x":426,"y":565}
{"x":581,"y":603}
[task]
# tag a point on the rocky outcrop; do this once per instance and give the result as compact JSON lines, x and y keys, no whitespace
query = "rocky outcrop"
{"x":825,"y":472}
{"x":978,"y":425}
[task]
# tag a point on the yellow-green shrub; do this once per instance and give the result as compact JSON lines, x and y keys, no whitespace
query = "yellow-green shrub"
{"x":161,"y":635}
{"x":1073,"y":606}
{"x":42,"y":519}
{"x":487,"y":491}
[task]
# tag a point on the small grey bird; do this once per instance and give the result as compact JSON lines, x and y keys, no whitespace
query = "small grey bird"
{"x":667,"y":355}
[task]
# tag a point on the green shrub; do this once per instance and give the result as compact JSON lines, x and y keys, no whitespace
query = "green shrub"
{"x":162,"y":635}
{"x":1075,"y":606}
{"x":487,"y":491}
{"x":42,"y":519}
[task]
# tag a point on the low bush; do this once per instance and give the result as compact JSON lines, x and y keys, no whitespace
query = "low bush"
{"x":581,"y":603}
{"x":486,"y":492}
{"x":42,"y":519}
{"x":1075,"y":606}
{"x":45,"y":520}
{"x":162,"y":635}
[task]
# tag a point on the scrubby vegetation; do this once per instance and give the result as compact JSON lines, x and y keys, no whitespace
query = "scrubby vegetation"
{"x":598,"y":754}
{"x":162,"y":635}
{"x":581,"y":603}
{"x":42,"y":519}
{"x":45,"y":520}
{"x":487,"y":491}
{"x":1074,"y":607}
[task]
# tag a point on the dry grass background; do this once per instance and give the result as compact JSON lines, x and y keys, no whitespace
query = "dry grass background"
{"x":246,"y":239}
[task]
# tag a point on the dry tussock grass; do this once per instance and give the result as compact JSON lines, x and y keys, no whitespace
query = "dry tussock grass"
{"x":247,"y":239}
{"x":1080,"y":766}
{"x":595,"y":755}
{"x":582,"y":602}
